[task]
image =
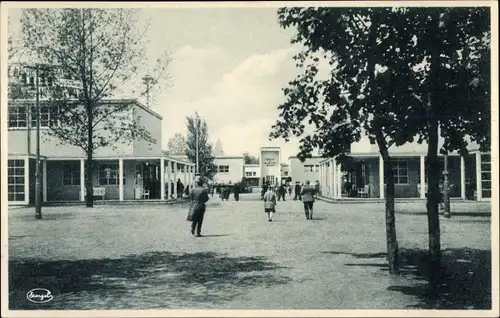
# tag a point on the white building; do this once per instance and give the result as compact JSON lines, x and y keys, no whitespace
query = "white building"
{"x":229,"y":169}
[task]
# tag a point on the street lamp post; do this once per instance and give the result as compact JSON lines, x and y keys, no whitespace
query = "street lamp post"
{"x":38,"y":185}
{"x":197,"y":146}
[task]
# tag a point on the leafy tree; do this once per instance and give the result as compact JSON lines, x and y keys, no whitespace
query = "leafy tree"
{"x":177,"y":145}
{"x":102,"y":50}
{"x":383,"y":85}
{"x":358,"y":97}
{"x":455,"y":85}
{"x":250,"y":160}
{"x":197,"y":125}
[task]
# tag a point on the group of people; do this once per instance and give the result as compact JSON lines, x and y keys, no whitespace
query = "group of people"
{"x":199,"y":195}
{"x":282,"y":189}
{"x":306,"y":193}
{"x":224,"y":191}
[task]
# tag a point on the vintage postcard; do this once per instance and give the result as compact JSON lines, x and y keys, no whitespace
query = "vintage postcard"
{"x":235,"y":159}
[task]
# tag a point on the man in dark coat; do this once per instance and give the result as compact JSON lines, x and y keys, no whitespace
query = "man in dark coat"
{"x":297,"y":191}
{"x":180,"y":188}
{"x":198,"y":196}
{"x":307,"y":194}
{"x":236,"y":191}
{"x":281,"y":192}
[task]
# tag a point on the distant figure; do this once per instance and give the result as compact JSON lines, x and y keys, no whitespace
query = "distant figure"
{"x":180,"y":188}
{"x":236,"y":191}
{"x":265,"y":186}
{"x":297,"y":191}
{"x":198,"y":196}
{"x":281,"y":192}
{"x":290,"y":189}
{"x":316,"y":188}
{"x":269,"y":203}
{"x":308,"y":200}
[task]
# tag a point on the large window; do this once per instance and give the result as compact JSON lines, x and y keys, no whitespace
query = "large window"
{"x":17,"y":116}
{"x":486,"y":176}
{"x":71,"y":173}
{"x":108,"y":174}
{"x":250,"y":173}
{"x":400,"y":171}
{"x":223,"y":169}
{"x":15,"y":180}
{"x":308,"y":168}
{"x":44,"y":116}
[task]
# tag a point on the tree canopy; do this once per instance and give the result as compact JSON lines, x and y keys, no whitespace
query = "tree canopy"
{"x":91,"y":55}
{"x":177,"y":145}
{"x":197,"y":125}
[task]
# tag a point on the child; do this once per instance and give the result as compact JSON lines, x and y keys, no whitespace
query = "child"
{"x":270,"y":203}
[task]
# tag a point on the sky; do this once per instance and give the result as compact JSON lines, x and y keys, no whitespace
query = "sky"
{"x":229,"y":65}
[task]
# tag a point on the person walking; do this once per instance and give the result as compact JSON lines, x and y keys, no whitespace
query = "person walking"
{"x":281,"y":192}
{"x":297,"y":191}
{"x":316,"y":189}
{"x":180,"y":188}
{"x":236,"y":191}
{"x":307,"y":194}
{"x":290,"y":189}
{"x":198,"y":196}
{"x":265,"y":186}
{"x":269,"y":203}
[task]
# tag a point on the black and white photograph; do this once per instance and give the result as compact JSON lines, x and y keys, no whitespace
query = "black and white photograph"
{"x":230,"y":159}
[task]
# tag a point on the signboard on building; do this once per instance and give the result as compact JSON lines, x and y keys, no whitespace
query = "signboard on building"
{"x":270,"y":161}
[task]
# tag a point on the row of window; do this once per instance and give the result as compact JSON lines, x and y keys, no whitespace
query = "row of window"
{"x":223,"y":169}
{"x":19,"y":118}
{"x":311,"y":168}
{"x":250,"y":173}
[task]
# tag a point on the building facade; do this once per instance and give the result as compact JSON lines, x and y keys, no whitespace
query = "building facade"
{"x":230,"y":170}
{"x":131,"y":171}
{"x":304,"y":171}
{"x":469,"y":177}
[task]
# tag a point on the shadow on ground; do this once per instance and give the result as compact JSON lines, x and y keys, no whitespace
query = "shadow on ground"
{"x":464,"y":281}
{"x":150,"y":280}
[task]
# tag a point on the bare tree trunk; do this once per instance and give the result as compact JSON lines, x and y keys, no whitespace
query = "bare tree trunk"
{"x":433,"y":199}
{"x":390,"y":215}
{"x":433,"y":163}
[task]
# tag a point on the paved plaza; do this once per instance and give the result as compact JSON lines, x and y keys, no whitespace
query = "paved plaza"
{"x":143,"y":256}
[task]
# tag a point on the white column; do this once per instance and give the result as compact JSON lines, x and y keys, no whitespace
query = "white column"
{"x":27,"y":180}
{"x":175,"y":180}
{"x":120,"y":178}
{"x":44,"y":167}
{"x":82,"y":180}
{"x":381,"y":176}
{"x":162,"y":178}
{"x":334,"y":178}
{"x":185,"y":176}
{"x":339,"y":180}
{"x":422,"y":176}
{"x":462,"y":177}
{"x":479,"y":185}
{"x":169,"y":179}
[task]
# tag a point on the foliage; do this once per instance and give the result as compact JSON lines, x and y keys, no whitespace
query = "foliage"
{"x":101,"y":52}
{"x":250,"y":160}
{"x":395,"y":74}
{"x":177,"y":145}
{"x":197,"y":125}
